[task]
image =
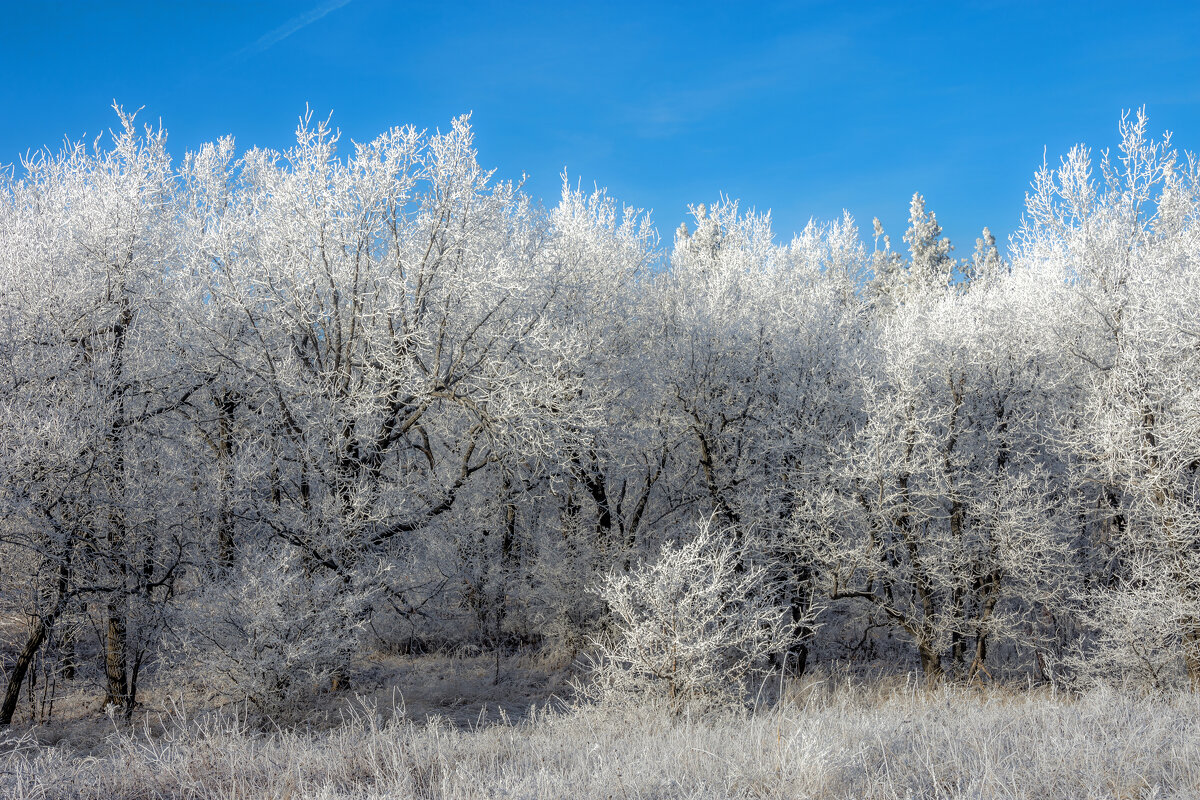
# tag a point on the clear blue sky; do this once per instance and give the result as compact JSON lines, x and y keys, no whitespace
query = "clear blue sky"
{"x":803,"y":108}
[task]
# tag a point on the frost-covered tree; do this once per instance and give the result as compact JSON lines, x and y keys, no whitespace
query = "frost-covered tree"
{"x":92,"y":256}
{"x":1121,"y":254}
{"x":396,"y":346}
{"x":589,"y":505}
{"x":985,"y":262}
{"x":942,"y":517}
{"x":931,"y":265}
{"x":757,"y":376}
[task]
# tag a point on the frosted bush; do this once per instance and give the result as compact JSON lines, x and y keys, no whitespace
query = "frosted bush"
{"x":694,"y":624}
{"x":1140,"y":635}
{"x":272,"y":632}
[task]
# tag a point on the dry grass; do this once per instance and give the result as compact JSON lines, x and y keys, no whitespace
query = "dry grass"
{"x":824,"y":740}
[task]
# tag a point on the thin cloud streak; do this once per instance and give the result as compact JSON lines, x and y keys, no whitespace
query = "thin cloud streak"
{"x":274,"y":37}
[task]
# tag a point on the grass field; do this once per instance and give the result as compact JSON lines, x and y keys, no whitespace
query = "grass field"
{"x":826,"y":739}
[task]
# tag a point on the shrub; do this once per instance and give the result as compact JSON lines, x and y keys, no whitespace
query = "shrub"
{"x":694,"y":625}
{"x":272,"y":631}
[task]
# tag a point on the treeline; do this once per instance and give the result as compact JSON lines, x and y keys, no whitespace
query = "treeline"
{"x":263,"y":410}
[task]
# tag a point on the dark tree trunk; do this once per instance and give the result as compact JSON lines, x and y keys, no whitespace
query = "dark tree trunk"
{"x":12,"y":693}
{"x":37,"y":637}
{"x":227,"y":405}
{"x":115,"y":632}
{"x":931,"y":662}
{"x":117,"y":692}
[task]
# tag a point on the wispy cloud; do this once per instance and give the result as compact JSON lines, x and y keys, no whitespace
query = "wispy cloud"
{"x":274,"y":37}
{"x":778,"y":67}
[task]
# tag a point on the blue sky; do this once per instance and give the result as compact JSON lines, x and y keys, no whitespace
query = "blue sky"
{"x":803,"y":108}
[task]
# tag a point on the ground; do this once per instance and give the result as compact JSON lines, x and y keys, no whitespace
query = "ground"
{"x":439,"y":727}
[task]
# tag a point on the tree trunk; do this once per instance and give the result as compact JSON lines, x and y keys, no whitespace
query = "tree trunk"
{"x":114,"y":638}
{"x":114,"y":658}
{"x":979,"y":663}
{"x":931,"y":662}
{"x":67,"y":649}
{"x":226,"y":407}
{"x":37,"y":638}
{"x":12,"y":694}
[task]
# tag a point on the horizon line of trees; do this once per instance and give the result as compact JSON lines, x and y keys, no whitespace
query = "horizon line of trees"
{"x":259,"y":411}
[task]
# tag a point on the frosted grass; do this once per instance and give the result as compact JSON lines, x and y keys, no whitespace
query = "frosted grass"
{"x":821,"y":742}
